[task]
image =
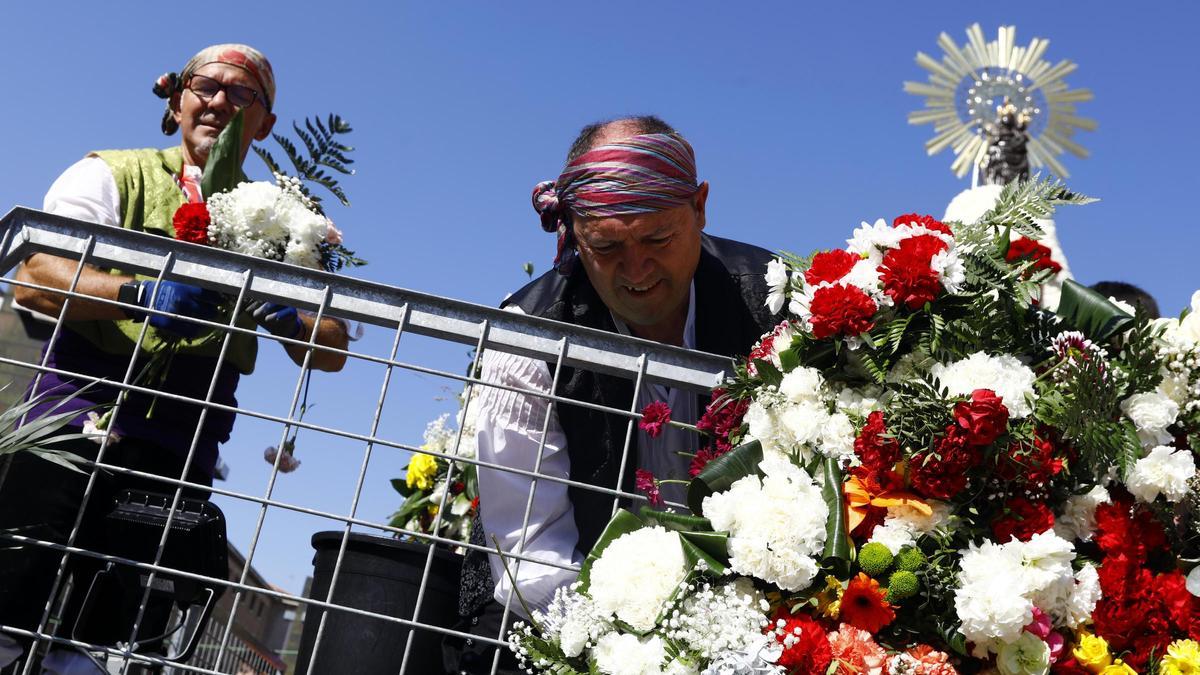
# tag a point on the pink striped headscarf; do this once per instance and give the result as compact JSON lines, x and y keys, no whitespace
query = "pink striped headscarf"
{"x":639,"y":174}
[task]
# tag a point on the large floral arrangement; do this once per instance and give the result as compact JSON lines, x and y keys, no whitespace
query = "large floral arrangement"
{"x":919,"y":471}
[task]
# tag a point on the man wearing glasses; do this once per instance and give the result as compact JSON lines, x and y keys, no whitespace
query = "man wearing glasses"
{"x":137,"y":190}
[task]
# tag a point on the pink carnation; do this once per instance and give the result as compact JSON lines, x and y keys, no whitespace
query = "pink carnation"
{"x":855,"y":651}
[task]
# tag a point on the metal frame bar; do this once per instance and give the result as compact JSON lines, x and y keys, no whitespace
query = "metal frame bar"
{"x":26,"y":231}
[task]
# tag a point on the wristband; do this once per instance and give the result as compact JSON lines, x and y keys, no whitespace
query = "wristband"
{"x":130,"y":295}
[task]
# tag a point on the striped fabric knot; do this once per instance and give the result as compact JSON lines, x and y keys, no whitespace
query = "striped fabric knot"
{"x":640,"y":174}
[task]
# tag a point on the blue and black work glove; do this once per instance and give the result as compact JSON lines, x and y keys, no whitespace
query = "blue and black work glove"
{"x":182,"y":300}
{"x":279,"y":320}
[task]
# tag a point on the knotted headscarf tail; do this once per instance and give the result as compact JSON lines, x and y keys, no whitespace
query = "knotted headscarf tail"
{"x":639,"y":174}
{"x":242,"y":56}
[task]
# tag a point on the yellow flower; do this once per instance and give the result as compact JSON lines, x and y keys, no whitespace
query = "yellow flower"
{"x":1092,"y":653}
{"x":433,"y":510}
{"x":421,"y":470}
{"x":1183,"y":658}
{"x":1118,"y":667}
{"x":829,"y":598}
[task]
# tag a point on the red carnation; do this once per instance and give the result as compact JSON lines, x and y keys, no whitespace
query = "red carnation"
{"x":841,"y":310}
{"x":1032,"y":464}
{"x":906,"y":273}
{"x":1022,"y":249}
{"x":810,"y":653}
{"x":644,"y":481}
{"x":654,"y":417}
{"x":191,"y":223}
{"x":830,"y":266}
{"x":983,"y":418}
{"x":722,"y":417}
{"x":1022,"y":519}
{"x":942,"y":474}
{"x":928,"y":221}
{"x":1124,"y":528}
{"x":877,"y":452}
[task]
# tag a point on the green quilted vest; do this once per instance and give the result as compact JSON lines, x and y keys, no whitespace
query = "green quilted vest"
{"x":149,"y":197}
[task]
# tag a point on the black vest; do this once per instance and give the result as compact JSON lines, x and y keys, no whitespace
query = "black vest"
{"x":731,"y":315}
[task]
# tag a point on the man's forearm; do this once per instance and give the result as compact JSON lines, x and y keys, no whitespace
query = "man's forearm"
{"x":331,"y":333}
{"x":54,"y":272}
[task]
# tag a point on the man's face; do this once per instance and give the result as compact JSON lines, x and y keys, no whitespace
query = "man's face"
{"x":201,"y":122}
{"x":642,"y":264}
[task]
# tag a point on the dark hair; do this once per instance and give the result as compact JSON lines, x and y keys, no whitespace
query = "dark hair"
{"x":1128,"y":293}
{"x":642,"y":124}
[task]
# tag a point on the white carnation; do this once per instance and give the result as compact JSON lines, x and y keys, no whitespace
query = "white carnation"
{"x":1010,"y":379}
{"x":764,"y":425}
{"x":837,"y":438}
{"x":858,"y":402}
{"x":637,"y":574}
{"x":805,"y":424}
{"x":267,"y":221}
{"x":1046,"y":559}
{"x":802,"y":384}
{"x":1164,"y":471}
{"x":1078,"y":518}
{"x":776,"y":524}
{"x":1084,"y":596}
{"x":626,"y":654}
{"x":1037,"y":573}
{"x":1151,"y":412}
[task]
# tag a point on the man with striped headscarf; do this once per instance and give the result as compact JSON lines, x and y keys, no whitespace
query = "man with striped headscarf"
{"x":138,"y":190}
{"x":632,"y":258}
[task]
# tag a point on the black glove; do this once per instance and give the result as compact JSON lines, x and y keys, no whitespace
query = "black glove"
{"x":181,"y":299}
{"x":279,"y":320}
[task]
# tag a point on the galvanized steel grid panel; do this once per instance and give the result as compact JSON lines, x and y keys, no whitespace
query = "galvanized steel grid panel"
{"x":24,"y":232}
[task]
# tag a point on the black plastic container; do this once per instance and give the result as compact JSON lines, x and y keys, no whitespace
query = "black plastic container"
{"x":381,"y":575}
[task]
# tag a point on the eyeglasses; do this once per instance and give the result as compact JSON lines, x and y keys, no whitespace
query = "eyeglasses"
{"x":206,"y":88}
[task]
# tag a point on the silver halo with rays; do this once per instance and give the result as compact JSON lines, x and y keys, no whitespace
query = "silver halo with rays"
{"x":970,"y":82}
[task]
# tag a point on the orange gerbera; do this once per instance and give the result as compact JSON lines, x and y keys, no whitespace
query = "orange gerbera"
{"x":864,"y":605}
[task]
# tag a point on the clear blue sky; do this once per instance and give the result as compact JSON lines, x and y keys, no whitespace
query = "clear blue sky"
{"x":795,"y":110}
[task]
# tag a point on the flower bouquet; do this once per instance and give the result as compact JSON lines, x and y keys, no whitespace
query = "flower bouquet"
{"x":919,"y":471}
{"x":434,"y":485}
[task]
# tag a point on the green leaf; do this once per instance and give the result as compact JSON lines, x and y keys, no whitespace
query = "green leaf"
{"x":768,"y":372}
{"x":1091,"y":312}
{"x":723,"y":471}
{"x":680,"y":522}
{"x":401,"y":486}
{"x":223,"y":170}
{"x":789,"y":360}
{"x":622,"y":523}
{"x":711,"y":547}
{"x":837,"y":545}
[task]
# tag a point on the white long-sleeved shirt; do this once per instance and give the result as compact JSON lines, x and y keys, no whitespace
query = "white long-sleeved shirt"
{"x":509,"y":432}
